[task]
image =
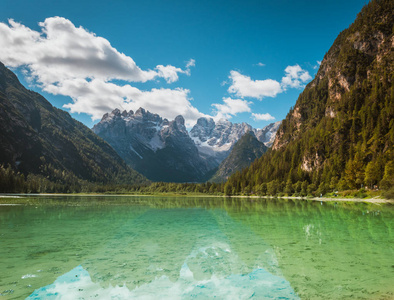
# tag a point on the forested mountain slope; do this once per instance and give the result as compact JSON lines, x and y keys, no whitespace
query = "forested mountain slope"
{"x":340,"y":133}
{"x":245,"y":151}
{"x":37,"y":138}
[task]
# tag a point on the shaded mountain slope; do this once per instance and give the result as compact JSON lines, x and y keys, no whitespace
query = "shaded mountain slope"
{"x":245,"y":151}
{"x":37,"y":138}
{"x":160,"y":149}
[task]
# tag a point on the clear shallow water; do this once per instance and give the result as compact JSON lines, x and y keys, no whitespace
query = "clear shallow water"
{"x":181,"y":248}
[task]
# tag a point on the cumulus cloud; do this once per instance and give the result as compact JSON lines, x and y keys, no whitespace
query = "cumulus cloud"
{"x":260,"y":64}
{"x":62,"y":51}
{"x":98,"y":97}
{"x":170,"y":73}
{"x":243,"y":86}
{"x":295,"y":77}
{"x":68,"y":60}
{"x":262,"y":117}
{"x":231,"y":107}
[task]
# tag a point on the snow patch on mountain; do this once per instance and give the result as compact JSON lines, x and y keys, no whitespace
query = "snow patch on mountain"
{"x":217,"y":139}
{"x":145,"y":140}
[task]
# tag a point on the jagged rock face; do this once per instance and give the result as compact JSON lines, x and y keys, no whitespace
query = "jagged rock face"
{"x":267,"y":134}
{"x":340,"y":132}
{"x":203,"y":129}
{"x":139,"y":128}
{"x":159,"y":149}
{"x":355,"y":57}
{"x":164,"y":150}
{"x":215,"y":140}
{"x":220,"y":136}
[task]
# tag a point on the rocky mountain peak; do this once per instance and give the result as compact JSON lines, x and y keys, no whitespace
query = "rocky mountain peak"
{"x":267,"y":134}
{"x":105,"y":117}
{"x":179,"y":124}
{"x":158,"y":148}
{"x":203,"y":129}
{"x":140,"y":111}
{"x":116,"y":112}
{"x":180,"y":120}
{"x":143,"y":135}
{"x":224,"y":122}
{"x":215,"y":140}
{"x":206,"y":122}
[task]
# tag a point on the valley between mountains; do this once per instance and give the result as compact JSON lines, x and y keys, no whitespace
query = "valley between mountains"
{"x":338,"y":137}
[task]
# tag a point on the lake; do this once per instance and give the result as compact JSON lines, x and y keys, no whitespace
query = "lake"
{"x":122,"y":247}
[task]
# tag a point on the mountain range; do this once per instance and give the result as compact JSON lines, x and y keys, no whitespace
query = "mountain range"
{"x":338,"y":136}
{"x":164,"y":150}
{"x":41,"y":140}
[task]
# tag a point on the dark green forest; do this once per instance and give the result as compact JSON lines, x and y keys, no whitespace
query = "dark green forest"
{"x":340,"y":134}
{"x":40,"y":140}
{"x":246,"y":150}
{"x":15,"y":182}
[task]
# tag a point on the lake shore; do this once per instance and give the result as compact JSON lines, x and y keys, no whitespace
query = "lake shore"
{"x":375,"y":200}
{"x":335,"y":199}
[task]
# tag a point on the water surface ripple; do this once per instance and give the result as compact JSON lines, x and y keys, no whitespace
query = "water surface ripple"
{"x":106,"y":247}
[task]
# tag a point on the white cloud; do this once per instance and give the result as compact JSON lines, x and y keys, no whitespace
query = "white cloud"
{"x":231,"y":107}
{"x":71,"y":61}
{"x":318,"y":63}
{"x":62,"y":51}
{"x":190,"y":63}
{"x":169,"y":73}
{"x":260,"y":64}
{"x":295,"y":77}
{"x":305,"y":76}
{"x":98,"y":97}
{"x":262,"y":117}
{"x":244,"y":86}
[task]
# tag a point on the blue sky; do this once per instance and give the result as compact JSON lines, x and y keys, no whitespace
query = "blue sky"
{"x":218,"y":58}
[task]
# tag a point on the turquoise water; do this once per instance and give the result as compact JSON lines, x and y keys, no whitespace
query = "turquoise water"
{"x":104,"y":247}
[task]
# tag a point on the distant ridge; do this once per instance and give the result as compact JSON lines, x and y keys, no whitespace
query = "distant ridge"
{"x":164,"y":150}
{"x":160,"y":149}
